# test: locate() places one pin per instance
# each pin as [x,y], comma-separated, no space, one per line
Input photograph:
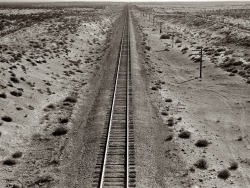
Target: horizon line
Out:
[133,1]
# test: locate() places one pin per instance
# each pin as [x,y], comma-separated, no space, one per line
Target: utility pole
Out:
[172,33]
[201,57]
[160,27]
[153,19]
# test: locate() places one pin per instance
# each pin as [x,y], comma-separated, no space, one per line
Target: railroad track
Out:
[115,164]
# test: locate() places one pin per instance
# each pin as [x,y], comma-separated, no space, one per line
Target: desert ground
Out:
[57,67]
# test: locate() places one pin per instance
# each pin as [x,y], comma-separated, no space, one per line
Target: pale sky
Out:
[123,0]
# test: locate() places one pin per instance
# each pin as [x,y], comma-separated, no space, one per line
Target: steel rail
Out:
[101,183]
[127,109]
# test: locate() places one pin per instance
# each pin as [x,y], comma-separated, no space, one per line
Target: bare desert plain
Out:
[108,94]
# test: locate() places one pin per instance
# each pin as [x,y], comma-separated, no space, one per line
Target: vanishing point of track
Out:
[115,163]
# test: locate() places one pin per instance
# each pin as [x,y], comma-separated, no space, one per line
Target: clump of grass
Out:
[3,95]
[16,186]
[7,119]
[168,100]
[164,113]
[9,162]
[169,138]
[240,138]
[184,134]
[17,154]
[224,174]
[228,52]
[178,41]
[14,80]
[192,169]
[221,49]
[63,120]
[170,122]
[165,36]
[19,108]
[16,93]
[60,131]
[179,118]
[148,48]
[185,49]
[201,164]
[233,166]
[44,179]
[202,143]
[154,88]
[70,99]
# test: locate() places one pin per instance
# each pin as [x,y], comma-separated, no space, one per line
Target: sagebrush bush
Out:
[233,166]
[202,143]
[184,134]
[3,95]
[169,137]
[164,113]
[224,174]
[60,131]
[148,48]
[70,99]
[165,36]
[178,41]
[14,79]
[154,88]
[201,164]
[63,120]
[168,100]
[17,154]
[9,162]
[7,119]
[170,122]
[16,93]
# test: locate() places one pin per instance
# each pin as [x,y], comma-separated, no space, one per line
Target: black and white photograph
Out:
[124,94]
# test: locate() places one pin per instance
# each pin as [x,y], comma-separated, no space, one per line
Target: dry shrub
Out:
[168,100]
[3,95]
[169,138]
[14,80]
[224,174]
[154,88]
[63,120]
[7,119]
[233,166]
[9,162]
[184,134]
[71,99]
[170,122]
[148,48]
[165,36]
[178,41]
[60,131]
[242,72]
[201,164]
[17,154]
[164,113]
[44,179]
[229,52]
[202,143]
[16,93]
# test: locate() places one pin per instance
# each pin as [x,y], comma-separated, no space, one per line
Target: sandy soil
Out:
[153,168]
[47,70]
[214,108]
